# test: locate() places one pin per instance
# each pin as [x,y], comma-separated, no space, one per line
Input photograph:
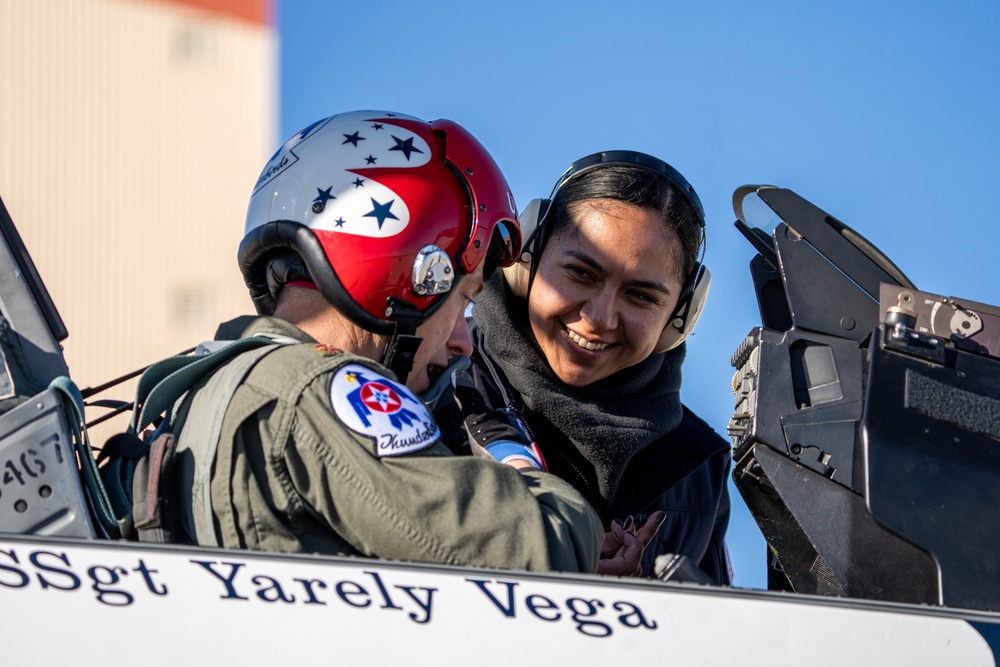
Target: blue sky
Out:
[882,113]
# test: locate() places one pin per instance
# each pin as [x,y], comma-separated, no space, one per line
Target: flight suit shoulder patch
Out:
[368,403]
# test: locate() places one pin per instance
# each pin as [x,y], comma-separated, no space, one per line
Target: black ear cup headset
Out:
[533,230]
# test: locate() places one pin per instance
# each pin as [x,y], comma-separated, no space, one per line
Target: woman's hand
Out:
[621,553]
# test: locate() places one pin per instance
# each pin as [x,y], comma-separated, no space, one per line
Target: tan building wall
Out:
[131,132]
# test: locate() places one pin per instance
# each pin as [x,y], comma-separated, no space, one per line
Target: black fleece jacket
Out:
[683,473]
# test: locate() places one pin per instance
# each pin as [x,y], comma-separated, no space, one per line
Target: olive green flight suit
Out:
[295,471]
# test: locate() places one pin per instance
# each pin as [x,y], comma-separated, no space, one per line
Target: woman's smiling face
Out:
[606,283]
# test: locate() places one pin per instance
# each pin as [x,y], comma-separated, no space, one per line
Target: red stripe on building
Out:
[255,11]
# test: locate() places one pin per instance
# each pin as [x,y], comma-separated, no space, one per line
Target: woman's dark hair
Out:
[640,187]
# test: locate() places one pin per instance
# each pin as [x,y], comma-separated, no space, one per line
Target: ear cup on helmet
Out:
[685,316]
[518,275]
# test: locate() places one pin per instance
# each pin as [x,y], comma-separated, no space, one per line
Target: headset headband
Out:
[632,158]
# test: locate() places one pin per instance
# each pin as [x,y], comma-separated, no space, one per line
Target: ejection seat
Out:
[40,439]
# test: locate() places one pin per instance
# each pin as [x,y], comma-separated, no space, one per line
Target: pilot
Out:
[367,236]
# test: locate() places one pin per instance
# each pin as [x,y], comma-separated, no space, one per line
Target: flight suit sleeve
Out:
[430,505]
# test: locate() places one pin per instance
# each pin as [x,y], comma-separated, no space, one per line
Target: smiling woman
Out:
[583,341]
[602,293]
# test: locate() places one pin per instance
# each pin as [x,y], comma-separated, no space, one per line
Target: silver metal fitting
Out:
[433,272]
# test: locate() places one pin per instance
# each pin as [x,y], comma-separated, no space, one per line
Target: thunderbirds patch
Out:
[372,405]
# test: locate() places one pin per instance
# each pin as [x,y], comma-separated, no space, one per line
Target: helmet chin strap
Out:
[401,348]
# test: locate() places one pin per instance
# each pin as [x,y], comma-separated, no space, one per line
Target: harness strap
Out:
[109,525]
[166,381]
[153,505]
[201,435]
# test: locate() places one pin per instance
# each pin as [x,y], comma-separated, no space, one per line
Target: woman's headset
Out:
[533,220]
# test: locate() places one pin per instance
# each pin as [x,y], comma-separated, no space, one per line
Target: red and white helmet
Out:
[385,210]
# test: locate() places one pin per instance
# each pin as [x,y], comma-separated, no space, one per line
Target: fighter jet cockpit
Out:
[866,430]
